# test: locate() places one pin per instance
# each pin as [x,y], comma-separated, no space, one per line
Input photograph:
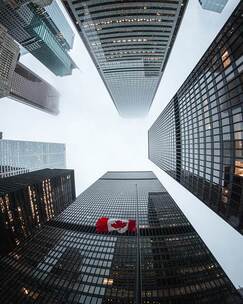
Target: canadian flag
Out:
[105,224]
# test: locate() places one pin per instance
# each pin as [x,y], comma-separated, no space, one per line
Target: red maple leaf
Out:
[119,224]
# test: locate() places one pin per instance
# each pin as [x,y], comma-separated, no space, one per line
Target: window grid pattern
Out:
[17,157]
[165,262]
[165,143]
[32,90]
[213,5]
[209,126]
[57,24]
[33,32]
[130,43]
[29,200]
[9,52]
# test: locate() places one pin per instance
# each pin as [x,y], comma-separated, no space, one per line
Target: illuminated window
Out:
[239,168]
[107,281]
[25,290]
[226,59]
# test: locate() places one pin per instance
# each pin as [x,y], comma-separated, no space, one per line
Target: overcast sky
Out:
[98,140]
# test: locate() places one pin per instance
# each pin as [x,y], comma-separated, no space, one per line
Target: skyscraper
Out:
[29,88]
[165,261]
[198,138]
[29,200]
[26,23]
[58,24]
[9,52]
[130,43]
[213,5]
[17,157]
[19,82]
[52,15]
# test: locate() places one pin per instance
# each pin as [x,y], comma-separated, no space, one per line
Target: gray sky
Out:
[98,140]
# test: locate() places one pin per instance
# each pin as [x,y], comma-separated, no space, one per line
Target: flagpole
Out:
[139,277]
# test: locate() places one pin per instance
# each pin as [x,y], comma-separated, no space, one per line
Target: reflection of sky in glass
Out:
[18,157]
[56,15]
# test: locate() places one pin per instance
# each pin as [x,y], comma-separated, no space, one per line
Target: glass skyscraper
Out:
[59,25]
[9,52]
[28,25]
[17,157]
[29,200]
[130,43]
[198,138]
[165,261]
[19,82]
[32,90]
[213,5]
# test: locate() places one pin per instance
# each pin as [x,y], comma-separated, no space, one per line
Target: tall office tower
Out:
[130,43]
[165,261]
[58,24]
[27,25]
[198,138]
[17,157]
[213,5]
[29,200]
[29,88]
[9,52]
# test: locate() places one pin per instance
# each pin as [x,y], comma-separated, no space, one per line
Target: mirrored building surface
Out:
[29,26]
[213,5]
[165,261]
[20,83]
[198,138]
[130,43]
[28,200]
[59,25]
[17,157]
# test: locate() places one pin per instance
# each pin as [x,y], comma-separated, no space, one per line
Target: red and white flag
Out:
[105,224]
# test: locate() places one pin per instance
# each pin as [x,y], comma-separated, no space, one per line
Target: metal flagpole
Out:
[139,277]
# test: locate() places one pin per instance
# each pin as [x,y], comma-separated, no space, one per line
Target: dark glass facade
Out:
[29,200]
[32,90]
[27,24]
[165,261]
[198,138]
[130,43]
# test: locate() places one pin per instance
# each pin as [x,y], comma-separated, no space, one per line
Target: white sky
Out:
[98,140]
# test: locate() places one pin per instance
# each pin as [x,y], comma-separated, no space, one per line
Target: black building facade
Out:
[198,138]
[164,261]
[29,200]
[130,43]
